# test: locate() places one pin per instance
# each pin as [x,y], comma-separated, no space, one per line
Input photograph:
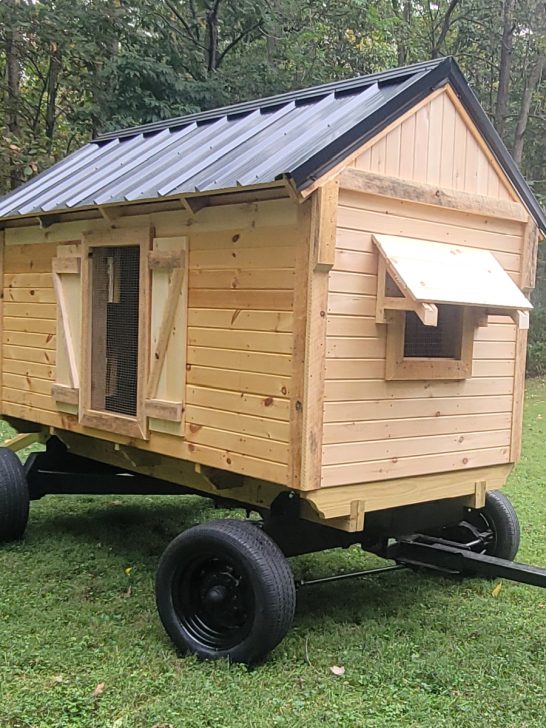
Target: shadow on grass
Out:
[140,531]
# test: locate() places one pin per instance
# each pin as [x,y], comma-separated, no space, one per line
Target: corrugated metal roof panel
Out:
[299,134]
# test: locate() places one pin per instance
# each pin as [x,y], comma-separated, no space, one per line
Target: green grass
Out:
[417,650]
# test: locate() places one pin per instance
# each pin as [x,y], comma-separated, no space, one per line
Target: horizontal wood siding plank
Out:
[23,338]
[240,360]
[264,384]
[381,409]
[248,258]
[351,432]
[267,342]
[29,399]
[379,389]
[28,369]
[232,298]
[30,310]
[235,442]
[276,408]
[27,384]
[30,295]
[29,325]
[237,422]
[28,280]
[236,278]
[355,452]
[234,319]
[28,354]
[333,475]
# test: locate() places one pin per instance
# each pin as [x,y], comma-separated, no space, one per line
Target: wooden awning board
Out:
[433,272]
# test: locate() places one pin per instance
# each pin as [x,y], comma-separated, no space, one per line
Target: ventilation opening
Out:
[115,275]
[443,341]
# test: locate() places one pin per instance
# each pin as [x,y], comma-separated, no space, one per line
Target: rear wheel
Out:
[225,589]
[14,497]
[493,530]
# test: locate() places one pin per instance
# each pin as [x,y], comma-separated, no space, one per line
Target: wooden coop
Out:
[319,297]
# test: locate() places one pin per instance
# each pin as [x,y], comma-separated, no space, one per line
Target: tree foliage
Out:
[71,69]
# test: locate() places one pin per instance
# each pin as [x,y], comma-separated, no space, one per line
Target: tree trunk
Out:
[212,36]
[13,84]
[52,87]
[501,106]
[530,87]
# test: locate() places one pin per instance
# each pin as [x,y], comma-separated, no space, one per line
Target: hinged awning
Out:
[429,273]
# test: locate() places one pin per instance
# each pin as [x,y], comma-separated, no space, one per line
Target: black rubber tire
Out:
[265,571]
[501,517]
[14,497]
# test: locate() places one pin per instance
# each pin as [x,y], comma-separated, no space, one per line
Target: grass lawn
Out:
[77,611]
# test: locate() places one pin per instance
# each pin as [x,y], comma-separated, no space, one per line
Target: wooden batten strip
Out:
[67,395]
[529,257]
[63,264]
[324,229]
[65,325]
[171,304]
[163,410]
[166,260]
[358,180]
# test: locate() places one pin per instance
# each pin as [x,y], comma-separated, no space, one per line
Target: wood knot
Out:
[268,401]
[235,238]
[284,390]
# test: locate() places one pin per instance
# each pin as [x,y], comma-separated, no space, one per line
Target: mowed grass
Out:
[77,611]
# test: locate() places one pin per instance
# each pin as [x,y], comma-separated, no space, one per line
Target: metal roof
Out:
[298,135]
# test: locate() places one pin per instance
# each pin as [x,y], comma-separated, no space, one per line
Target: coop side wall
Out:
[239,378]
[377,430]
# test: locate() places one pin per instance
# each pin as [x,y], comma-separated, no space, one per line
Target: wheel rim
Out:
[213,601]
[475,532]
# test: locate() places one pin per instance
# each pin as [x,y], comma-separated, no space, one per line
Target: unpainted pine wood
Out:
[333,475]
[34,326]
[241,340]
[413,446]
[21,338]
[237,299]
[332,503]
[30,310]
[245,361]
[29,354]
[28,280]
[236,422]
[370,430]
[440,273]
[437,143]
[418,200]
[29,369]
[423,407]
[29,295]
[235,218]
[519,394]
[237,320]
[27,384]
[265,408]
[364,220]
[241,279]
[529,255]
[29,399]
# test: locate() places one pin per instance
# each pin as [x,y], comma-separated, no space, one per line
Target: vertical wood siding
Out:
[435,145]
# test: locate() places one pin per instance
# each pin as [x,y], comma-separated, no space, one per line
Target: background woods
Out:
[72,68]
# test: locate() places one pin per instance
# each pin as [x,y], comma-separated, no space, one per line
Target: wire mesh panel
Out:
[115,276]
[442,341]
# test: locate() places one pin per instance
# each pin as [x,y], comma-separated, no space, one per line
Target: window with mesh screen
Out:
[115,275]
[443,341]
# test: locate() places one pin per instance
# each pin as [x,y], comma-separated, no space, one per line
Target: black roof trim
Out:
[440,74]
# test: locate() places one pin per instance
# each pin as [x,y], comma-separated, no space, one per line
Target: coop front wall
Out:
[239,372]
[377,430]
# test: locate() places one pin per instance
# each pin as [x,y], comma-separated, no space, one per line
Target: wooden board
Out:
[440,273]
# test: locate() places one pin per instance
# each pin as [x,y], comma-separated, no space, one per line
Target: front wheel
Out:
[225,589]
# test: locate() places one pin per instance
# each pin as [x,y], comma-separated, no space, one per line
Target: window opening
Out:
[115,298]
[443,341]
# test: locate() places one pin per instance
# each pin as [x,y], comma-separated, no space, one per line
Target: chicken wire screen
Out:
[115,275]
[442,341]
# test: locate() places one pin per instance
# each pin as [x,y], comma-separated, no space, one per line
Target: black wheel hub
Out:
[213,601]
[474,533]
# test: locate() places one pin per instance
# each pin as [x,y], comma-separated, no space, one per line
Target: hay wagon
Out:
[313,306]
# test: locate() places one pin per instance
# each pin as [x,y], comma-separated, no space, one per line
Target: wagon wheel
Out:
[493,530]
[225,589]
[14,497]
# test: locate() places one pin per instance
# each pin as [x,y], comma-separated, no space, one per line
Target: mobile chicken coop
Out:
[313,306]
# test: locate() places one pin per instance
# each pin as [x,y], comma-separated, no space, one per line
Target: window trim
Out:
[399,367]
[114,422]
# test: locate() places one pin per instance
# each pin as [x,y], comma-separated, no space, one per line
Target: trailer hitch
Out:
[450,558]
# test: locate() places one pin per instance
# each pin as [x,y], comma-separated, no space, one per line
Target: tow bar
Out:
[447,557]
